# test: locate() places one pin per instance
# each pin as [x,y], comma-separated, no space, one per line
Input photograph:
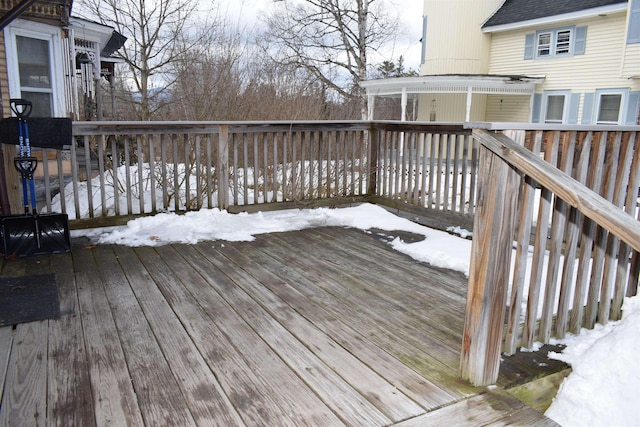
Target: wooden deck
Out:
[320,327]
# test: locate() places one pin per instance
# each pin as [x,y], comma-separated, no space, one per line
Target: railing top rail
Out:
[213,127]
[591,204]
[497,126]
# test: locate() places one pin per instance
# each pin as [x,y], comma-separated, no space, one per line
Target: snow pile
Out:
[438,248]
[602,389]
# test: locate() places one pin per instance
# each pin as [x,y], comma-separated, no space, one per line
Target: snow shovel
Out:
[31,234]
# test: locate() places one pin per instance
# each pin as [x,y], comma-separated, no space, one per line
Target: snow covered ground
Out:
[602,390]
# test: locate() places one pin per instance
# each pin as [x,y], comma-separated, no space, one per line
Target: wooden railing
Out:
[575,264]
[129,168]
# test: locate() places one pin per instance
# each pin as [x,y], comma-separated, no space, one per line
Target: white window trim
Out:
[40,31]
[623,104]
[565,109]
[554,43]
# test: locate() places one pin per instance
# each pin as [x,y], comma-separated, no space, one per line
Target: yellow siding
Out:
[502,108]
[451,107]
[599,67]
[631,66]
[455,42]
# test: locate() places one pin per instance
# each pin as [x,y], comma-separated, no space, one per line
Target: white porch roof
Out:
[468,84]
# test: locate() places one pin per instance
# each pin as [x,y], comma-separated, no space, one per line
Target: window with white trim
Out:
[556,42]
[609,108]
[34,69]
[34,66]
[554,107]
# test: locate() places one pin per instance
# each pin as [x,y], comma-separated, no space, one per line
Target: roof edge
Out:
[587,13]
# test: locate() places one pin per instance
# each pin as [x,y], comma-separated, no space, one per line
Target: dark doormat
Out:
[28,298]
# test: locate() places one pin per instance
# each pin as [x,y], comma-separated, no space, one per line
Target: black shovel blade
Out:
[54,233]
[28,235]
[19,234]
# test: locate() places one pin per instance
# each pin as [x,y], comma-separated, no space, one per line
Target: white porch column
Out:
[404,104]
[469,96]
[371,106]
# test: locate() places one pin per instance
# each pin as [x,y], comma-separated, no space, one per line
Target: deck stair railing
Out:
[576,193]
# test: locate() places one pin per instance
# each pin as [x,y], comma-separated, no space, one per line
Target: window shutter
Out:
[587,108]
[537,106]
[581,41]
[574,105]
[633,31]
[632,108]
[529,45]
[424,40]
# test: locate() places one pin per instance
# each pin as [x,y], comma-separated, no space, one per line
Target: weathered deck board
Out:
[300,332]
[486,409]
[204,395]
[334,391]
[69,382]
[317,327]
[114,397]
[278,384]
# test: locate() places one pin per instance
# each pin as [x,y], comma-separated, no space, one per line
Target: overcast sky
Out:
[246,12]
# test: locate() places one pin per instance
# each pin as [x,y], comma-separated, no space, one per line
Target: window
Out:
[554,109]
[559,42]
[554,106]
[544,44]
[563,42]
[609,107]
[552,43]
[34,66]
[34,69]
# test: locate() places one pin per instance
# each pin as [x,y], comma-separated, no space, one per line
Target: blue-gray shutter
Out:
[537,106]
[633,32]
[574,105]
[581,41]
[587,108]
[424,40]
[529,42]
[632,109]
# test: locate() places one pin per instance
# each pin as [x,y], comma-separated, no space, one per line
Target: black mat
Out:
[28,298]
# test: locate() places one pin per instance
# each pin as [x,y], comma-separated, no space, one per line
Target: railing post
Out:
[372,185]
[222,168]
[493,232]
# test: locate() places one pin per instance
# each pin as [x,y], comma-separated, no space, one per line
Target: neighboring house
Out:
[56,62]
[541,61]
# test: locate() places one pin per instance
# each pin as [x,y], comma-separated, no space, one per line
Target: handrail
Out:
[571,215]
[591,204]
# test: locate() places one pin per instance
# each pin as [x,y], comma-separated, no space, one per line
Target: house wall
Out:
[451,108]
[600,67]
[5,109]
[512,108]
[631,61]
[455,42]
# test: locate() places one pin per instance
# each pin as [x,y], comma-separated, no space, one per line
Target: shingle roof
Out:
[513,11]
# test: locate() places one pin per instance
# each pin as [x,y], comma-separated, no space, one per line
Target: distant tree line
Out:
[184,64]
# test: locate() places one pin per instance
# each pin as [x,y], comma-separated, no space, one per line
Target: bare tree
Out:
[332,39]
[159,33]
